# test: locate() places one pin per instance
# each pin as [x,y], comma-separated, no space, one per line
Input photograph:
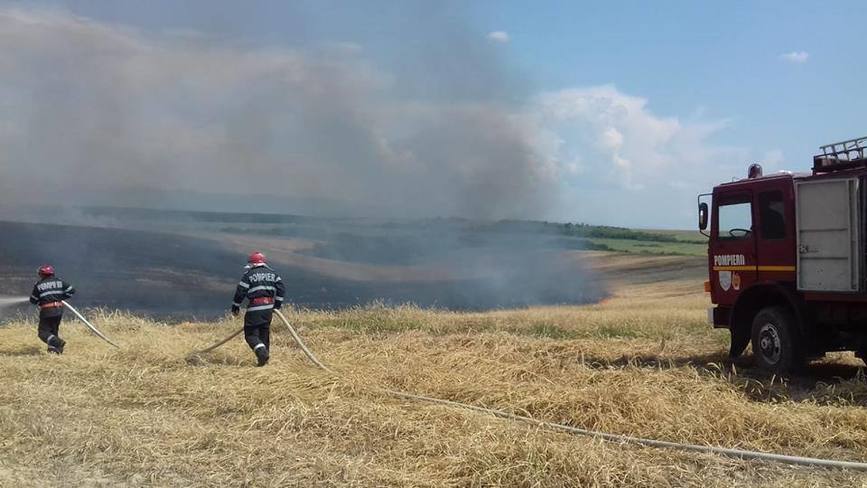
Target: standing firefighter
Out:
[47,295]
[263,287]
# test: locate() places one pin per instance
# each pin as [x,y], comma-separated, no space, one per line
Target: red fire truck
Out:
[787,259]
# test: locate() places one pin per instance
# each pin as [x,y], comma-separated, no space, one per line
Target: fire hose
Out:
[211,348]
[622,439]
[88,324]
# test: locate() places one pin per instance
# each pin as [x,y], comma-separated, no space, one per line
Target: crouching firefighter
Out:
[48,294]
[264,290]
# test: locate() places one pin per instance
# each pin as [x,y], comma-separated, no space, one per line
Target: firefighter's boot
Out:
[261,355]
[55,345]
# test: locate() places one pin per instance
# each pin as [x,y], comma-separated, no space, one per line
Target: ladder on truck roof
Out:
[841,155]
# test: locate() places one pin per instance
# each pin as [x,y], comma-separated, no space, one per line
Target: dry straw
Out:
[642,364]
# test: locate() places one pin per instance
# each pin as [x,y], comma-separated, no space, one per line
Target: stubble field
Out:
[642,363]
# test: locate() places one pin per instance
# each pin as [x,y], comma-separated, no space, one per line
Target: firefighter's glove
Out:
[236,310]
[277,305]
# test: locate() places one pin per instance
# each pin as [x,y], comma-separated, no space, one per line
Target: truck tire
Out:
[776,340]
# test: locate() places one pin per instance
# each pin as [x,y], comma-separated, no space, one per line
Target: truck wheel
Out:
[775,340]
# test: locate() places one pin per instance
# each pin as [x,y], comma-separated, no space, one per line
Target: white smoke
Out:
[98,113]
[93,109]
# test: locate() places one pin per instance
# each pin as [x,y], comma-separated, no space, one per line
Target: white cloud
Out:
[797,57]
[623,164]
[499,36]
[616,128]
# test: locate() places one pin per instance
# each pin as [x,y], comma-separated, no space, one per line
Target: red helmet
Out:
[256,258]
[46,270]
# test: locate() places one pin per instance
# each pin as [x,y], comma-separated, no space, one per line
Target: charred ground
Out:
[183,264]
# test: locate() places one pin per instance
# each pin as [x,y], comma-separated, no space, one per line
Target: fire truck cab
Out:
[786,259]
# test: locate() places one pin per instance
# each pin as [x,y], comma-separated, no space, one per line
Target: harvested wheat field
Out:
[641,363]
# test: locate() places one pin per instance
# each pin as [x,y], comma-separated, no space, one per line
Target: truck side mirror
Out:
[702,216]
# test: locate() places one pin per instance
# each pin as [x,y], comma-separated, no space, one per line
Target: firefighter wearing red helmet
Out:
[263,288]
[47,294]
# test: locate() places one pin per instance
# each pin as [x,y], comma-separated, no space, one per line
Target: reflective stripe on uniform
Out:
[244,285]
[261,307]
[260,288]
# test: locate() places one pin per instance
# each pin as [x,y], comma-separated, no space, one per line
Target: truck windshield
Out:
[735,221]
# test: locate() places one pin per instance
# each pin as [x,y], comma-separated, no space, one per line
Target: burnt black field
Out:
[148,266]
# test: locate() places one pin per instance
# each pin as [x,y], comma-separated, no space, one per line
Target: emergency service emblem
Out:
[725,280]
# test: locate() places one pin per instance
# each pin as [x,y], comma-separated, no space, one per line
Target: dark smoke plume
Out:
[93,112]
[99,114]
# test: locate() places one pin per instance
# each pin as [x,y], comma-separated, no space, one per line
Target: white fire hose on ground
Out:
[300,343]
[88,324]
[211,348]
[623,439]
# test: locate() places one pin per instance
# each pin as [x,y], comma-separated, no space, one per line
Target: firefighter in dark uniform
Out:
[47,295]
[264,290]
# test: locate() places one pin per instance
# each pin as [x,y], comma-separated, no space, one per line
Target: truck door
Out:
[829,256]
[775,229]
[733,246]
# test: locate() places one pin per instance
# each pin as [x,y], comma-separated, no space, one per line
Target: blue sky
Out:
[720,58]
[640,103]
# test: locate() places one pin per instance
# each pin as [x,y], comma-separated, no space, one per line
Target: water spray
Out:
[12,301]
[88,324]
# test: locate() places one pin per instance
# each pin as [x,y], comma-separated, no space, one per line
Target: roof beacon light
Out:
[755,171]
